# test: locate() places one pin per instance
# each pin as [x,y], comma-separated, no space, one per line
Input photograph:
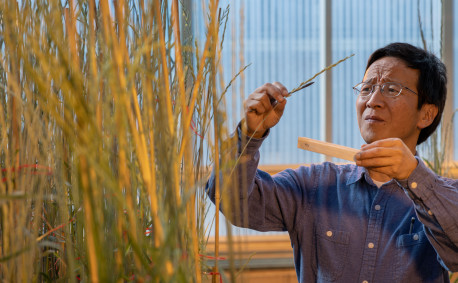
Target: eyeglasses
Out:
[388,89]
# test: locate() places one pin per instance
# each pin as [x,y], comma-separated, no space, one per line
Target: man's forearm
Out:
[238,183]
[436,203]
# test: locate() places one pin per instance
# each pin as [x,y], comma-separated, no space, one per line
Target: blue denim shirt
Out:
[345,229]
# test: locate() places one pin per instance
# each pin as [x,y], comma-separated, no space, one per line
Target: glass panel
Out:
[281,41]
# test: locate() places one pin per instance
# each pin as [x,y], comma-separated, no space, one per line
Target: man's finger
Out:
[386,170]
[274,92]
[253,105]
[283,90]
[377,152]
[280,107]
[375,162]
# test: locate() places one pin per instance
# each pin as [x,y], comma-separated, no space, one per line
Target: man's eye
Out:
[366,88]
[393,89]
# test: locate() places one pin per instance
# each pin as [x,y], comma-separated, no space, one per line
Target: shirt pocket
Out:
[331,253]
[416,259]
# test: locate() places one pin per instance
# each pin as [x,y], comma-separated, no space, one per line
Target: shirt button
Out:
[377,207]
[371,245]
[415,237]
[329,233]
[414,185]
[430,212]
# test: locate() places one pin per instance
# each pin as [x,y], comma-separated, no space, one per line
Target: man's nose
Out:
[376,98]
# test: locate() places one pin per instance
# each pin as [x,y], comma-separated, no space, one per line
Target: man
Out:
[386,219]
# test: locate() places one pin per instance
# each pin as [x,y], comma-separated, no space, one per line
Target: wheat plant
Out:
[108,123]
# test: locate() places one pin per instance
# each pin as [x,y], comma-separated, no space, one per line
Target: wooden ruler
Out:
[327,148]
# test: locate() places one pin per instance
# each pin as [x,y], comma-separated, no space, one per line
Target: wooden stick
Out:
[327,148]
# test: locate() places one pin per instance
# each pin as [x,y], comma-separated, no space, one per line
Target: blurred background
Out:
[289,41]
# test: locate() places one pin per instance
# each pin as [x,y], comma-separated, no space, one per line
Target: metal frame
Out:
[326,85]
[448,58]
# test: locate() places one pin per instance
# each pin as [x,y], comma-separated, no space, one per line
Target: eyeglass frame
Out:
[382,91]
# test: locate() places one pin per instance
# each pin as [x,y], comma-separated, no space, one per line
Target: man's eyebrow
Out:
[384,79]
[368,80]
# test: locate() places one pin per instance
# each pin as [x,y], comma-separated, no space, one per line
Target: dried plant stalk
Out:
[301,85]
[102,97]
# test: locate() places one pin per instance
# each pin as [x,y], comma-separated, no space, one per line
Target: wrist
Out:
[247,132]
[408,170]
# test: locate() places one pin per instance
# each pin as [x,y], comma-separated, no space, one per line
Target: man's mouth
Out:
[373,118]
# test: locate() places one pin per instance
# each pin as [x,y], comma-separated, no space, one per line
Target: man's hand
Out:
[390,157]
[263,109]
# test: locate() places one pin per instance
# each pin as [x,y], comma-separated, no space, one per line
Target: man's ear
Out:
[428,113]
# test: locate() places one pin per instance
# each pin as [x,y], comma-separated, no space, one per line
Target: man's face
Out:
[382,117]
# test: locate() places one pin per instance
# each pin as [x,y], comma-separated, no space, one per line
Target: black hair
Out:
[432,81]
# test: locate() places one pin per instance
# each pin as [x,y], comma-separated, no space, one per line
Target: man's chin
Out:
[372,137]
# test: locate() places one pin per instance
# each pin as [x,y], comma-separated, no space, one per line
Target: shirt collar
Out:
[356,175]
[359,173]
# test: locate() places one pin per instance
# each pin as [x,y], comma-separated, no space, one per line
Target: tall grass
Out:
[436,147]
[108,123]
